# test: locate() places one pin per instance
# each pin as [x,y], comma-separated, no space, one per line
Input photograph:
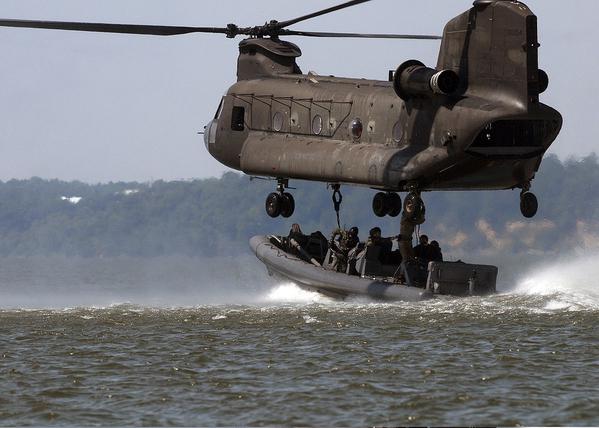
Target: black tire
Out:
[380,204]
[288,205]
[274,205]
[529,205]
[394,201]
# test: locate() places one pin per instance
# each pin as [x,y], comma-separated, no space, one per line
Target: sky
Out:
[100,108]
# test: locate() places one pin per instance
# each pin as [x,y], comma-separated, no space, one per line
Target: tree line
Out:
[215,217]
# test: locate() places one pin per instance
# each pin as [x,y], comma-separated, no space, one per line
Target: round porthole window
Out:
[317,125]
[397,133]
[356,128]
[277,121]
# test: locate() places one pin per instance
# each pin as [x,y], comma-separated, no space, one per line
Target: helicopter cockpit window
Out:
[238,119]
[219,110]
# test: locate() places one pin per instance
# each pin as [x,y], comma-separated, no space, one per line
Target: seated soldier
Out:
[354,252]
[296,234]
[352,238]
[386,245]
[434,252]
[421,250]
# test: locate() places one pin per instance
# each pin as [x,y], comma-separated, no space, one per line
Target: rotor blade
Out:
[155,30]
[360,35]
[320,13]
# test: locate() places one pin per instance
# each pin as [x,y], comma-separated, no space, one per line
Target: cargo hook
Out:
[337,200]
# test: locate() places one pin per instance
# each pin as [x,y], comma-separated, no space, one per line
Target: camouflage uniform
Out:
[341,248]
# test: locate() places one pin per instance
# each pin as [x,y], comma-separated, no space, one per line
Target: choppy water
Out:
[165,353]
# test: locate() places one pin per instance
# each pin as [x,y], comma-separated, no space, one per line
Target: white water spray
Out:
[291,293]
[573,281]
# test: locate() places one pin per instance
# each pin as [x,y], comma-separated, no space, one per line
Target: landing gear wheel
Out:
[414,207]
[385,204]
[380,204]
[394,201]
[288,205]
[274,205]
[529,204]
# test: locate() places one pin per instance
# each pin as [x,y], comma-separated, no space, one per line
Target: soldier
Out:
[296,241]
[387,256]
[421,250]
[348,240]
[434,252]
[342,243]
[375,238]
[296,234]
[352,238]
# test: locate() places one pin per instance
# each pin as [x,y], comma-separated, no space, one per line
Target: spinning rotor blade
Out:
[272,29]
[154,30]
[359,35]
[320,13]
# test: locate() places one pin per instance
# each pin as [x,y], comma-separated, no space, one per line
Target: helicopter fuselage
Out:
[491,134]
[303,127]
[473,122]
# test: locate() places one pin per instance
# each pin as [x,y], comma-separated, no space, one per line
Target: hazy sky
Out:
[98,107]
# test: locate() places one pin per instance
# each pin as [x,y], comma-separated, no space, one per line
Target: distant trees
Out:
[217,216]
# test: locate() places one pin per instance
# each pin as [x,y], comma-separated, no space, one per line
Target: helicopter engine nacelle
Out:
[414,80]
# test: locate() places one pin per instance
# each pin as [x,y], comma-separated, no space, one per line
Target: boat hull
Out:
[331,283]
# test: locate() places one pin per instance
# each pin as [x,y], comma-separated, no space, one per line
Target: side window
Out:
[238,119]
[219,110]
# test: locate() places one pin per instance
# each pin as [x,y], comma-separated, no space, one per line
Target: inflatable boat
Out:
[312,266]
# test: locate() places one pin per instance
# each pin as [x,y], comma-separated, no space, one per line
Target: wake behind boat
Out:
[312,266]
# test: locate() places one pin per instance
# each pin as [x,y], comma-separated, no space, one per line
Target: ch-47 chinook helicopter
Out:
[473,122]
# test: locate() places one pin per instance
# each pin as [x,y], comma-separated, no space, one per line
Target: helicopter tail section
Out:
[495,45]
[494,49]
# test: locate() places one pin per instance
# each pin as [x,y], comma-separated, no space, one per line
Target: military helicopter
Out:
[472,122]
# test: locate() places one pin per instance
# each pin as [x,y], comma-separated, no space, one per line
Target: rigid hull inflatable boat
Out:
[310,267]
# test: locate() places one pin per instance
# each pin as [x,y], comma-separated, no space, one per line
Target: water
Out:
[190,342]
